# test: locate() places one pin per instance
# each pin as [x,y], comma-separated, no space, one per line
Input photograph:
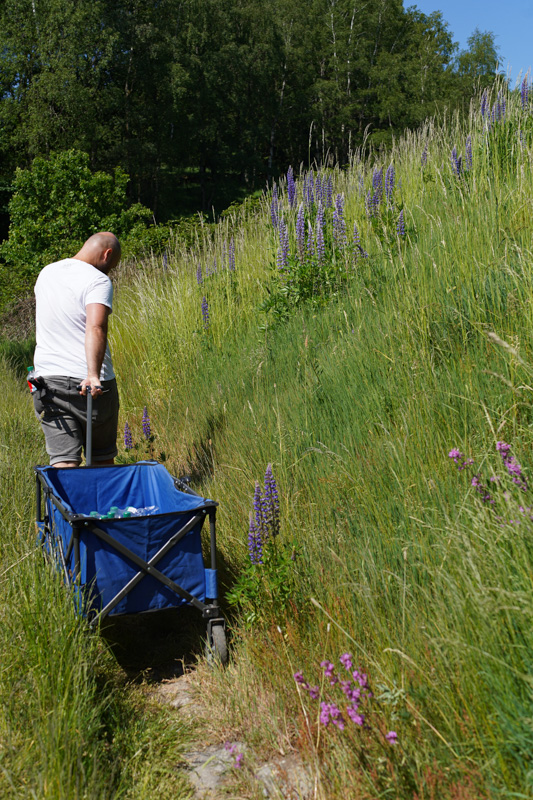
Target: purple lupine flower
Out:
[128,441]
[299,677]
[314,692]
[165,261]
[468,153]
[300,233]
[274,207]
[318,188]
[424,156]
[283,249]
[391,736]
[291,186]
[484,103]
[310,241]
[400,225]
[271,503]
[199,274]
[255,544]
[205,312]
[146,424]
[389,183]
[258,512]
[357,249]
[309,194]
[369,206]
[339,225]
[377,180]
[361,184]
[231,255]
[456,162]
[524,92]
[503,105]
[329,192]
[319,230]
[377,186]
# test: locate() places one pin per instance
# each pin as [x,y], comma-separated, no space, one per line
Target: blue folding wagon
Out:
[130,564]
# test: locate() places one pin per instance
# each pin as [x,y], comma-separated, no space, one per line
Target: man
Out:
[74,299]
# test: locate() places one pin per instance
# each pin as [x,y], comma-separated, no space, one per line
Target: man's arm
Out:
[95,345]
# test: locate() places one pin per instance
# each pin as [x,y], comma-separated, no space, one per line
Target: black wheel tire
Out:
[218,645]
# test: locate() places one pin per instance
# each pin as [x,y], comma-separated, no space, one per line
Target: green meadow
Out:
[353,374]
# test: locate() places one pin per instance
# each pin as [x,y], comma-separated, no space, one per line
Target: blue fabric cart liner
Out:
[104,571]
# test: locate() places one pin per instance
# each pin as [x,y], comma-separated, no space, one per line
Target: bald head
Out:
[102,250]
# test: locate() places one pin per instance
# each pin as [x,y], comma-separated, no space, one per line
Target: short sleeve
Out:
[100,291]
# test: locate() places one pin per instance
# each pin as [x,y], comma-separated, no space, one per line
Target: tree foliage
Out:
[55,206]
[173,88]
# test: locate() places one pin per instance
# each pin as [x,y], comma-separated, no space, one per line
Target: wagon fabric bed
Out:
[130,565]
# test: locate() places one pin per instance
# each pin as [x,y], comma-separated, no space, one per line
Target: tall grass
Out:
[70,727]
[356,402]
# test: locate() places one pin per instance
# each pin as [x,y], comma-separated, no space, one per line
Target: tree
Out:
[477,66]
[56,205]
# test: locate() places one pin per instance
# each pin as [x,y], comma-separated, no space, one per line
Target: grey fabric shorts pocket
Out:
[62,412]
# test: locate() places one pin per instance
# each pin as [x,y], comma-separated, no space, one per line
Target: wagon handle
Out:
[89,442]
[89,439]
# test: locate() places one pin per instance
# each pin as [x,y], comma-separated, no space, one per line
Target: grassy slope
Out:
[356,405]
[70,727]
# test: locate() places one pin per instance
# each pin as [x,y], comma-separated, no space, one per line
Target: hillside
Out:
[352,330]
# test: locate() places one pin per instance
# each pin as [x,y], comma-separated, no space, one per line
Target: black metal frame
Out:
[210,611]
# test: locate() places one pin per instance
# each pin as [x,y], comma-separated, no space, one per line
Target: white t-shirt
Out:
[62,291]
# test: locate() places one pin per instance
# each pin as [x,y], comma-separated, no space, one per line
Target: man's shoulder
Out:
[72,269]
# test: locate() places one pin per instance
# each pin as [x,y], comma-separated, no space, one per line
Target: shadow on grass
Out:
[156,645]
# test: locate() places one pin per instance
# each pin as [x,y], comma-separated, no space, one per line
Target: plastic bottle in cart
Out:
[124,513]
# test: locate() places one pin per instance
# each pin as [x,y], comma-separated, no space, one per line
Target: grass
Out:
[356,401]
[72,725]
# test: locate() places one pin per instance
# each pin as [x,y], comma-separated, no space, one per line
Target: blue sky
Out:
[511,21]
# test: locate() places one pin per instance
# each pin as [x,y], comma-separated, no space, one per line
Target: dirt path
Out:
[214,768]
[160,652]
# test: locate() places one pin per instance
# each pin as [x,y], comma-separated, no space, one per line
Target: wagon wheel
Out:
[217,648]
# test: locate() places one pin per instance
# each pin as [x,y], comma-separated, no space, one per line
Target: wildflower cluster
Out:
[514,470]
[313,249]
[147,431]
[148,436]
[266,586]
[351,699]
[459,164]
[496,114]
[128,439]
[264,519]
[525,92]
[205,312]
[233,751]
[512,466]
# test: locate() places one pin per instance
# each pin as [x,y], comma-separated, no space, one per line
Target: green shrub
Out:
[56,205]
